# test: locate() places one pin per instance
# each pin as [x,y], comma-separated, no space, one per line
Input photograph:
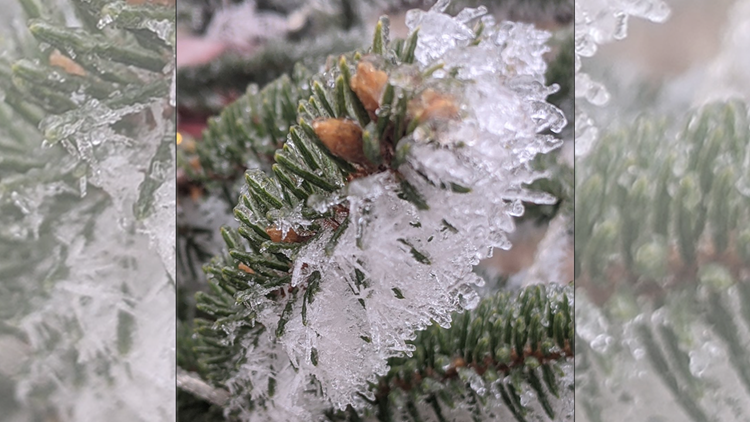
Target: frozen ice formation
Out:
[97,341]
[598,22]
[399,265]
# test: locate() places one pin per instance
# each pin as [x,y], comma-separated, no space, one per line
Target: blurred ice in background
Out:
[87,297]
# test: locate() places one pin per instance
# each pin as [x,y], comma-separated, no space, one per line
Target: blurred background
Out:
[671,66]
[660,296]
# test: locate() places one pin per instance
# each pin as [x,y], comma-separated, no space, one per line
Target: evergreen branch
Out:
[317,157]
[482,343]
[247,133]
[485,343]
[702,231]
[360,123]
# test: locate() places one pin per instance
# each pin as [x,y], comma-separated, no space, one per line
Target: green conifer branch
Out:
[687,219]
[304,166]
[247,132]
[522,336]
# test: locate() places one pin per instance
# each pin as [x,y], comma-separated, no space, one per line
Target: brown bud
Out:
[277,235]
[458,362]
[368,83]
[58,59]
[342,137]
[433,105]
[245,268]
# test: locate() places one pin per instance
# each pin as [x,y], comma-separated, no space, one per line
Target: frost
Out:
[163,28]
[173,88]
[267,365]
[116,329]
[160,226]
[112,160]
[405,257]
[439,33]
[599,22]
[104,21]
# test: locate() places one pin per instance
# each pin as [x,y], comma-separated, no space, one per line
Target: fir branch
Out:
[359,123]
[483,343]
[479,342]
[247,133]
[696,217]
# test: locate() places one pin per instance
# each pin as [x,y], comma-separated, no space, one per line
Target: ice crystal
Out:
[599,22]
[271,377]
[399,265]
[109,334]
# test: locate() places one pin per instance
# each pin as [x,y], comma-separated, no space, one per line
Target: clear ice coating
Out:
[412,266]
[599,22]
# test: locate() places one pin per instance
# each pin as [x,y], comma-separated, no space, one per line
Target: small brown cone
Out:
[433,105]
[245,268]
[368,83]
[60,60]
[277,235]
[343,137]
